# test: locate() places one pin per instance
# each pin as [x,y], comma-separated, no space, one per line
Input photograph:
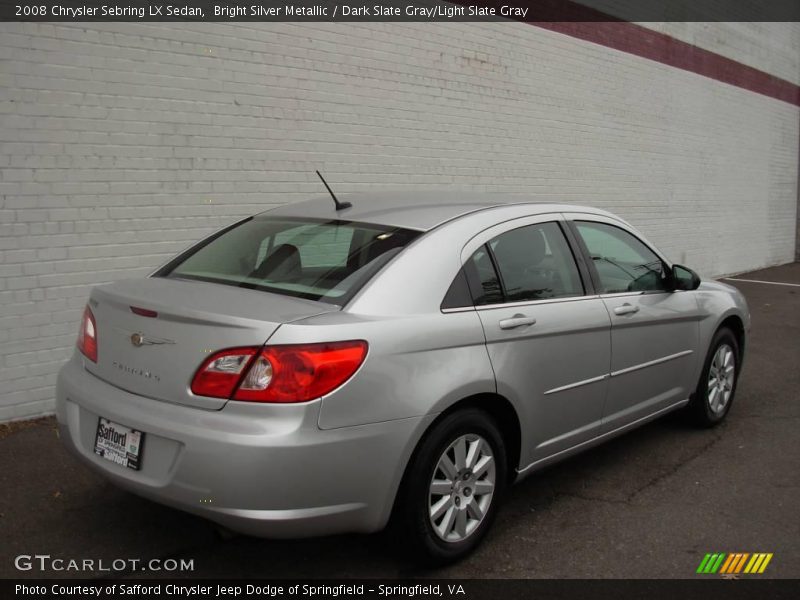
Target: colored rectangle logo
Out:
[734,563]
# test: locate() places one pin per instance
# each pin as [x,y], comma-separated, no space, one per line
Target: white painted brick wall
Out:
[120,143]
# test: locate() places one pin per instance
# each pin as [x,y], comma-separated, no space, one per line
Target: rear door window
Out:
[534,262]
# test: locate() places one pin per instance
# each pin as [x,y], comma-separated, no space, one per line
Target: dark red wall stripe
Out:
[640,41]
[583,22]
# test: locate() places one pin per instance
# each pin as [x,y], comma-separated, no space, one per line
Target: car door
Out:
[547,334]
[654,330]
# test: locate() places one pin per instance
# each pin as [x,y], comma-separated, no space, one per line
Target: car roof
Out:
[420,210]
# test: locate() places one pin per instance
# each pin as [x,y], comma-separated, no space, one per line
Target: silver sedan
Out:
[331,367]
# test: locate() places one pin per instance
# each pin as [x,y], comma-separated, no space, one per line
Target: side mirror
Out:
[684,278]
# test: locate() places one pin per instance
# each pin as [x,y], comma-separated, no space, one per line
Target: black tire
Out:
[700,409]
[412,520]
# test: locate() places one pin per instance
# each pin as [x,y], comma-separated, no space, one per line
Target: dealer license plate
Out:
[119,444]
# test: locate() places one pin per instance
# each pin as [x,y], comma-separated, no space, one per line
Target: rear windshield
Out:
[315,259]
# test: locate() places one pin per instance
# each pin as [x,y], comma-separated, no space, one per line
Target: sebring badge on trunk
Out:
[136,371]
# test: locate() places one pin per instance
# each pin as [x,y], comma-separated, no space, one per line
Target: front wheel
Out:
[452,487]
[717,386]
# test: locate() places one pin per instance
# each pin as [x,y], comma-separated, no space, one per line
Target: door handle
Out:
[516,321]
[626,309]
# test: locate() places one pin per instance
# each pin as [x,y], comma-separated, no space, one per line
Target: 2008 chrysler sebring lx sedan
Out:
[322,368]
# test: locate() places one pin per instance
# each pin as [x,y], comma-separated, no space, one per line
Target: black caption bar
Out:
[421,589]
[400,10]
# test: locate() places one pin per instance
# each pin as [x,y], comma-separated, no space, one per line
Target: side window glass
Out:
[535,263]
[458,296]
[483,281]
[623,262]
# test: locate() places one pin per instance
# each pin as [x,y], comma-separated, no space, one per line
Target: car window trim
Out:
[587,257]
[588,283]
[523,303]
[496,267]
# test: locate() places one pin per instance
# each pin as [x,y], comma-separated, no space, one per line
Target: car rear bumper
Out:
[260,469]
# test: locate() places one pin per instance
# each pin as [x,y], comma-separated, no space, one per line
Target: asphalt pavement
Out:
[649,504]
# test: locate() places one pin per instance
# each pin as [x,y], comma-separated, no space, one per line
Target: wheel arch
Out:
[506,418]
[504,414]
[697,410]
[735,323]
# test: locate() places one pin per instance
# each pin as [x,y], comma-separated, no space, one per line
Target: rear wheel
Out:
[452,487]
[717,386]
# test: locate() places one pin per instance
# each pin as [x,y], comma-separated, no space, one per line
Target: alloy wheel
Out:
[462,488]
[721,377]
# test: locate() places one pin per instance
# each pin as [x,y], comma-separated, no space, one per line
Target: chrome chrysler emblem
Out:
[138,340]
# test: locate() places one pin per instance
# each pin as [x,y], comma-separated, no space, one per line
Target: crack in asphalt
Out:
[590,498]
[680,464]
[669,472]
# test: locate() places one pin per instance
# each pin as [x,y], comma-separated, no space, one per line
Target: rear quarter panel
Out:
[416,365]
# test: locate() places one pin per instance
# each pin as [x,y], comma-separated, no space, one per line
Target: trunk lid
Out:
[158,356]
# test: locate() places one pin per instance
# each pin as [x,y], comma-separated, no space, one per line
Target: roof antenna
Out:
[339,205]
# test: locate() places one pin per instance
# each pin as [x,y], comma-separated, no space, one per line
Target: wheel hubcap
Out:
[461,488]
[721,376]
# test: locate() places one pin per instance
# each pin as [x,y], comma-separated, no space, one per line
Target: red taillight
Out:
[218,375]
[292,373]
[87,336]
[302,372]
